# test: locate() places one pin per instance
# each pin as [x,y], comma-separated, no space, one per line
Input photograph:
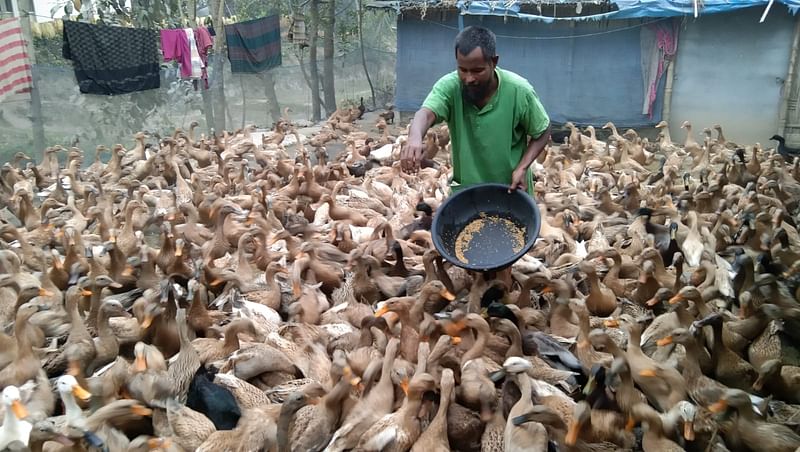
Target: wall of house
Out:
[730,71]
[584,72]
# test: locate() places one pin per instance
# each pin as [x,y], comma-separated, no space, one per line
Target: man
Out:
[490,112]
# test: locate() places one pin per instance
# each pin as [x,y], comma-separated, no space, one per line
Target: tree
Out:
[312,56]
[328,82]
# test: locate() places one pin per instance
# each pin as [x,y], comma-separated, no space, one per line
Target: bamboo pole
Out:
[36,102]
[667,107]
[788,83]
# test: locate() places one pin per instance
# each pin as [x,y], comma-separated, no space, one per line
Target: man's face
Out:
[476,74]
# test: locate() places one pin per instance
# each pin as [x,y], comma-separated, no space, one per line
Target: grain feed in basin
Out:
[488,238]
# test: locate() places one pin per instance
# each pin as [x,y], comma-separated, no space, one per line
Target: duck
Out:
[434,438]
[531,434]
[754,432]
[400,430]
[15,431]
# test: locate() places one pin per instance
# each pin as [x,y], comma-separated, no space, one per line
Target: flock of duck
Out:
[214,294]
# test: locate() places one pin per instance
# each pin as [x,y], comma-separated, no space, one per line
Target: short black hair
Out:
[472,37]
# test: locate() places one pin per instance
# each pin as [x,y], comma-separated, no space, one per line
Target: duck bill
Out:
[217,281]
[447,295]
[178,252]
[86,293]
[676,299]
[572,433]
[148,320]
[758,385]
[383,310]
[81,393]
[127,271]
[140,364]
[611,323]
[455,340]
[630,424]
[547,289]
[19,409]
[664,341]
[140,410]
[404,385]
[647,373]
[44,292]
[719,407]
[688,431]
[158,443]
[296,289]
[452,329]
[652,302]
[643,277]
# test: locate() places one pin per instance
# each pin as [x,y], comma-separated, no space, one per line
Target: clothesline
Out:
[546,38]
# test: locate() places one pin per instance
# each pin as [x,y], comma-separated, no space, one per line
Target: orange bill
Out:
[81,393]
[688,431]
[19,409]
[572,433]
[664,341]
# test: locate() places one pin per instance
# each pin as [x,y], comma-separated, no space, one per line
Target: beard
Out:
[477,92]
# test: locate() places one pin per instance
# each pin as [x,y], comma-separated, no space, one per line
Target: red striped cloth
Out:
[15,68]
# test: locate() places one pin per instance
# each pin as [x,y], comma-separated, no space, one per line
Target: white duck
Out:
[14,430]
[68,387]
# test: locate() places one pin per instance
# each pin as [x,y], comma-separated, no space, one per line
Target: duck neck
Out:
[525,388]
[515,349]
[231,343]
[285,419]
[12,427]
[477,349]
[691,366]
[103,328]
[333,400]
[94,306]
[444,404]
[73,412]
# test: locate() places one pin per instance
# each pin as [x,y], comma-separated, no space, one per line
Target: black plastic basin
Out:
[496,244]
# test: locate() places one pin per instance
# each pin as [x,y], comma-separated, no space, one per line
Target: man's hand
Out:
[519,180]
[412,152]
[411,156]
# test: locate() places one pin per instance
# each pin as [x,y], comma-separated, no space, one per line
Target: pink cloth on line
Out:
[666,46]
[204,42]
[175,46]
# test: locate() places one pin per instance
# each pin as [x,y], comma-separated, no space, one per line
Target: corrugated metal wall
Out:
[730,71]
[585,72]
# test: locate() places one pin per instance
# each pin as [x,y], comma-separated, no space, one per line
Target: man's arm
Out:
[411,155]
[535,147]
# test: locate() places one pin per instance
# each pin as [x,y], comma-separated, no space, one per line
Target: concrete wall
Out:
[729,71]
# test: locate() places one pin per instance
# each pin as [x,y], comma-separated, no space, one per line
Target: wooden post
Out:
[36,102]
[786,92]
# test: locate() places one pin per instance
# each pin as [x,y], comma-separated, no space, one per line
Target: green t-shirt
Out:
[488,143]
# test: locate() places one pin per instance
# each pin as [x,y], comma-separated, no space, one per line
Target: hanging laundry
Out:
[659,43]
[297,32]
[255,45]
[175,46]
[204,42]
[194,55]
[190,49]
[15,67]
[112,60]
